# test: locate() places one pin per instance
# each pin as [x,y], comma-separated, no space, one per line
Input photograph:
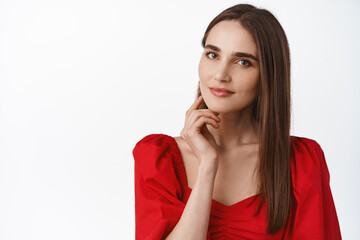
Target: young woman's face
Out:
[227,63]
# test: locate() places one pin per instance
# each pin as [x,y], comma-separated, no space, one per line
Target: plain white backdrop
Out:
[82,81]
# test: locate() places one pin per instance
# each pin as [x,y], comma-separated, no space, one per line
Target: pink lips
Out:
[221,92]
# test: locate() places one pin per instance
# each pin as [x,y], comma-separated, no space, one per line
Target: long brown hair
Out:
[271,109]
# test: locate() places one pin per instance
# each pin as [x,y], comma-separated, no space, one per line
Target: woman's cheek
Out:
[248,78]
[205,69]
[202,68]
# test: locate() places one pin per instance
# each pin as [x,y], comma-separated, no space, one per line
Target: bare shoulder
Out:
[189,160]
[178,139]
[183,146]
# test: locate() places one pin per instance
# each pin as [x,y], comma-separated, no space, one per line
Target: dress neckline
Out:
[181,168]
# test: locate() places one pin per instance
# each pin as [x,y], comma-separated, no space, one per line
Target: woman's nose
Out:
[222,73]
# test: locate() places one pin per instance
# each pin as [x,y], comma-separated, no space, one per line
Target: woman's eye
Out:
[211,54]
[244,62]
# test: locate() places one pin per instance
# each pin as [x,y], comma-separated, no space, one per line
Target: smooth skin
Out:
[219,145]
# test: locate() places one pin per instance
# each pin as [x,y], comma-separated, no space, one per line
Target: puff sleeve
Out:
[158,207]
[313,215]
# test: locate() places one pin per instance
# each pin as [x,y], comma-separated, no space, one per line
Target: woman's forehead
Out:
[230,36]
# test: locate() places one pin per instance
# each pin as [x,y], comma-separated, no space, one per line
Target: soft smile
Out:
[221,92]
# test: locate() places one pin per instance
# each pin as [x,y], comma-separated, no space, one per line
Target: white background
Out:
[82,81]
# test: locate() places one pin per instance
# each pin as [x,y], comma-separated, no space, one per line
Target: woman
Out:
[235,172]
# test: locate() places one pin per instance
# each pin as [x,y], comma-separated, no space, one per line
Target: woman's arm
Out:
[194,221]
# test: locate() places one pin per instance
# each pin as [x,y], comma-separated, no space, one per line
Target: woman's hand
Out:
[197,135]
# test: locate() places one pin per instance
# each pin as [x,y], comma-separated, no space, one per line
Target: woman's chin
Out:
[218,109]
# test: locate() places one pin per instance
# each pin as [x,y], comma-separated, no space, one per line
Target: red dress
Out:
[161,193]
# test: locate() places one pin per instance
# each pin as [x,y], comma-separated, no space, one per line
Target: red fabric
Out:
[161,193]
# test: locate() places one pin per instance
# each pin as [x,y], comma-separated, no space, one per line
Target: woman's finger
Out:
[204,120]
[208,110]
[195,115]
[216,114]
[195,105]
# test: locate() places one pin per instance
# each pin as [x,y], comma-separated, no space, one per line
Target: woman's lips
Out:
[221,92]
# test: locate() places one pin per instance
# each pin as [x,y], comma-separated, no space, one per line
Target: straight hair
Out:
[271,108]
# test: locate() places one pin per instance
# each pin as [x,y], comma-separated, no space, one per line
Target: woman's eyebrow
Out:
[236,54]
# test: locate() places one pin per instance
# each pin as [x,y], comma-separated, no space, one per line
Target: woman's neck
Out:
[235,128]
